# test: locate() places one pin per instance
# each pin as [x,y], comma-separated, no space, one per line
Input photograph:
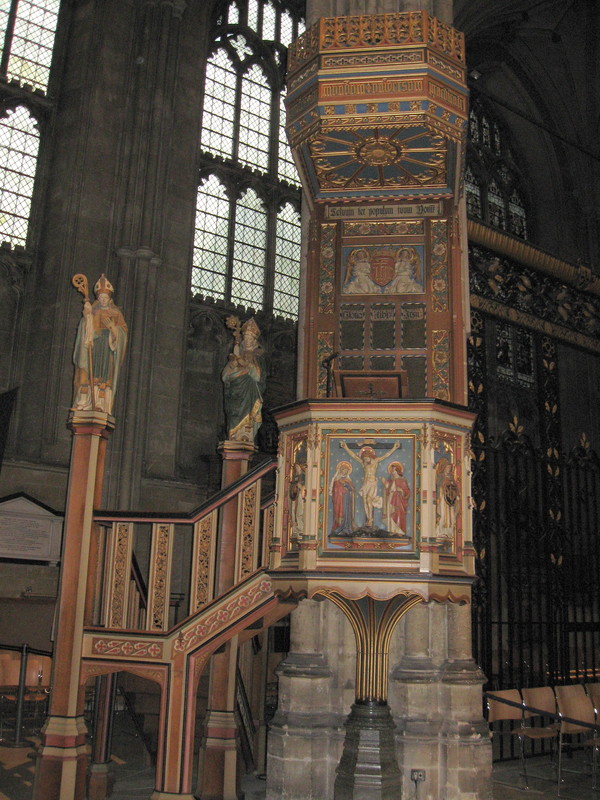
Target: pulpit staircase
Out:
[143,560]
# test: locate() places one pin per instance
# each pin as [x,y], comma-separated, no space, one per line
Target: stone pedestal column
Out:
[218,778]
[468,747]
[368,769]
[62,761]
[305,735]
[414,696]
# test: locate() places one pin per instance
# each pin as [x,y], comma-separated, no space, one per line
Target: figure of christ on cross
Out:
[368,491]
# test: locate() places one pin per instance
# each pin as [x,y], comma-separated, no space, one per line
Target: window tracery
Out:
[247,241]
[492,181]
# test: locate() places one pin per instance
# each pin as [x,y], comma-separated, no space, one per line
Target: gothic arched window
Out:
[492,181]
[247,241]
[27,31]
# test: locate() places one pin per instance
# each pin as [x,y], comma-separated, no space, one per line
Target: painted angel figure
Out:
[405,272]
[99,348]
[361,281]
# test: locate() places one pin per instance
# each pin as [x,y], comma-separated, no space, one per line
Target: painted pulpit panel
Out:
[389,269]
[371,493]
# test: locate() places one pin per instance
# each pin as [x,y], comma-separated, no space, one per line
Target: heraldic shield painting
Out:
[370,492]
[373,269]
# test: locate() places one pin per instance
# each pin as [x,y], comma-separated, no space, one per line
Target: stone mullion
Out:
[64,196]
[138,271]
[152,117]
[269,277]
[146,157]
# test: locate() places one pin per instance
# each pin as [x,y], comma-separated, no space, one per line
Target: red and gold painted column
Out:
[218,767]
[62,760]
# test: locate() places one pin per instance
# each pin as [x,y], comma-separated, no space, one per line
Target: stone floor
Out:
[134,775]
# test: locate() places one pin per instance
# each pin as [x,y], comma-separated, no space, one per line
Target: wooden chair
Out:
[498,710]
[573,702]
[593,691]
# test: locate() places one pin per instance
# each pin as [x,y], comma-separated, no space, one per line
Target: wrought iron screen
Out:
[536,605]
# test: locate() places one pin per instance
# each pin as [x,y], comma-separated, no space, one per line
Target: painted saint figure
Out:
[244,377]
[341,490]
[368,491]
[447,500]
[297,495]
[396,494]
[99,348]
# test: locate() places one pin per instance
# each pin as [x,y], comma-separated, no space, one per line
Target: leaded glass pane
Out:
[19,142]
[496,206]
[250,240]
[286,167]
[269,19]
[210,240]
[32,42]
[253,15]
[517,219]
[241,47]
[485,133]
[4,8]
[255,115]
[219,105]
[287,262]
[473,194]
[287,29]
[473,127]
[496,141]
[504,173]
[233,15]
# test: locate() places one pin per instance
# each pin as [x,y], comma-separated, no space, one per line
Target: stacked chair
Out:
[578,711]
[540,702]
[575,704]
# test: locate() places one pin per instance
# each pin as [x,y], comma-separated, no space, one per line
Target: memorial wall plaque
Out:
[28,531]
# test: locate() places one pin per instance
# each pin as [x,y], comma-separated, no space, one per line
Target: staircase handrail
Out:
[202,629]
[189,517]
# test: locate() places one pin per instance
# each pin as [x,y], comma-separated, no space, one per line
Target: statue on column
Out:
[244,377]
[99,347]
